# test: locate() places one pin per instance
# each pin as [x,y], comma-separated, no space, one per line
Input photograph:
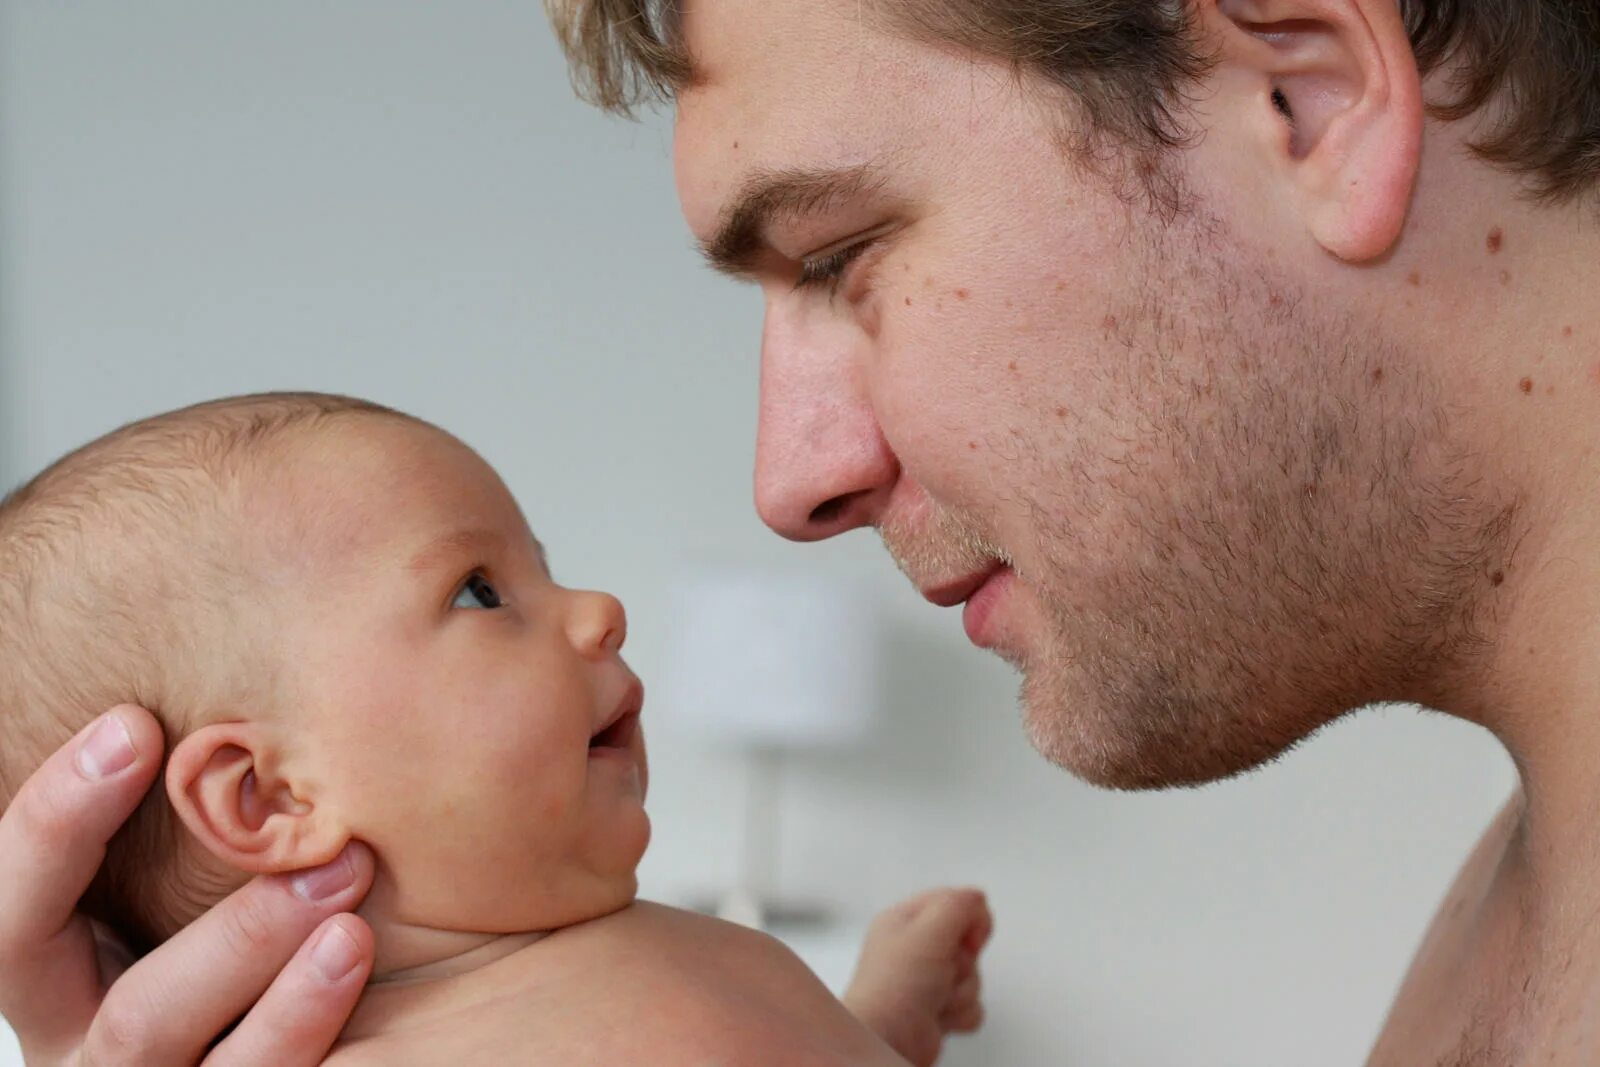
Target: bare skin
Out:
[286,953]
[540,947]
[1325,437]
[1025,371]
[647,984]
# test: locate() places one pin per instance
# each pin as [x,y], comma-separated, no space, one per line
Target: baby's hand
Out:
[918,976]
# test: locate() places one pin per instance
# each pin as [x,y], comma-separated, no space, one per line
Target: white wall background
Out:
[402,200]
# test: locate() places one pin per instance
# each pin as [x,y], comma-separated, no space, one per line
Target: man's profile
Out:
[1237,364]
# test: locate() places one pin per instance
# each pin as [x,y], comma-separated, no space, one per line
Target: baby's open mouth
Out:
[618,735]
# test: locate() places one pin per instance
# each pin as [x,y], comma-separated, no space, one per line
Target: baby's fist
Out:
[918,976]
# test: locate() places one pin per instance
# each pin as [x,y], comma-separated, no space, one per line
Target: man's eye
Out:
[476,592]
[827,271]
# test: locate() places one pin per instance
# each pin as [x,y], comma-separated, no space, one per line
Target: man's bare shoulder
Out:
[1485,988]
[647,985]
[1433,1019]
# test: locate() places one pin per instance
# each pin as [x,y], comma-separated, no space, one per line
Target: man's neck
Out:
[1532,938]
[1512,322]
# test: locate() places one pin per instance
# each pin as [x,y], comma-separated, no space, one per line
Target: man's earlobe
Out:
[1340,88]
[224,783]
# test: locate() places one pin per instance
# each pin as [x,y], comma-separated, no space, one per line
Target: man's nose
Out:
[597,625]
[822,464]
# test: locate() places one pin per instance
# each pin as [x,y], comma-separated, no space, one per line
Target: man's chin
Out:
[1131,748]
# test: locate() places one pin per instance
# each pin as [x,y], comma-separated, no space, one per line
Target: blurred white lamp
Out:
[766,664]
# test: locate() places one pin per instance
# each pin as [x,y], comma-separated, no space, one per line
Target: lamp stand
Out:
[754,900]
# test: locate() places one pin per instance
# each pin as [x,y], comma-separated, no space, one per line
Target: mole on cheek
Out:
[1414,278]
[1498,577]
[1496,241]
[962,294]
[1526,385]
[908,301]
[1061,413]
[1013,366]
[1566,331]
[972,445]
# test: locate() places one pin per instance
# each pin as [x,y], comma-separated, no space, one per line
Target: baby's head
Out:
[347,630]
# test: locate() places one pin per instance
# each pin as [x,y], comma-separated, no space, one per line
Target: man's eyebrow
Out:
[452,546]
[769,196]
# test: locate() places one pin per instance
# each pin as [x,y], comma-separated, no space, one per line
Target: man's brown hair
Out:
[1128,63]
[122,579]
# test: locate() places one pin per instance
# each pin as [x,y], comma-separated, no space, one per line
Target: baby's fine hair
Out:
[123,579]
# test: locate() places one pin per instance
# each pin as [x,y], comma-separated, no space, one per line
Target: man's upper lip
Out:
[949,594]
[632,703]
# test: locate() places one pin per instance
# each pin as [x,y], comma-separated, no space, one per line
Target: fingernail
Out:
[320,883]
[335,953]
[107,750]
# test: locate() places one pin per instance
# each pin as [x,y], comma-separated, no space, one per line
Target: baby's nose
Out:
[597,625]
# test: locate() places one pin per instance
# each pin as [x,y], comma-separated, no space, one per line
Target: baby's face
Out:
[464,714]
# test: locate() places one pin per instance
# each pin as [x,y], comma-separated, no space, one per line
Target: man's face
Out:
[1172,479]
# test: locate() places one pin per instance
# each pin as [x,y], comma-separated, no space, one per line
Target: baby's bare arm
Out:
[918,977]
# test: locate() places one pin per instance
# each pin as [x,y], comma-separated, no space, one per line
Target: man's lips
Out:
[949,594]
[977,618]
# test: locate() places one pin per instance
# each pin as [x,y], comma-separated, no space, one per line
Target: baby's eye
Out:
[476,592]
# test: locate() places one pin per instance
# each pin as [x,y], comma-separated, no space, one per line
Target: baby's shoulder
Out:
[648,985]
[650,945]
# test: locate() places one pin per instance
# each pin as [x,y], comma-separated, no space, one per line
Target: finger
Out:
[982,928]
[964,1011]
[173,1003]
[962,1019]
[300,1016]
[951,914]
[52,841]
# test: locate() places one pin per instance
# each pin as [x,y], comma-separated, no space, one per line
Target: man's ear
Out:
[1340,103]
[224,782]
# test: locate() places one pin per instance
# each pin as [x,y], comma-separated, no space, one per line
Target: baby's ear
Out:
[224,783]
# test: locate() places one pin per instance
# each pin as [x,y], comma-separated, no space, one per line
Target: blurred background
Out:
[403,200]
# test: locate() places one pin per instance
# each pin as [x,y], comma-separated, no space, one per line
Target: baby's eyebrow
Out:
[452,546]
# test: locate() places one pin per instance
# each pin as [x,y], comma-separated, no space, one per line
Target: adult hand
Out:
[284,944]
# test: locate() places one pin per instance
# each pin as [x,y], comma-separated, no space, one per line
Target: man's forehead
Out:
[725,37]
[780,86]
